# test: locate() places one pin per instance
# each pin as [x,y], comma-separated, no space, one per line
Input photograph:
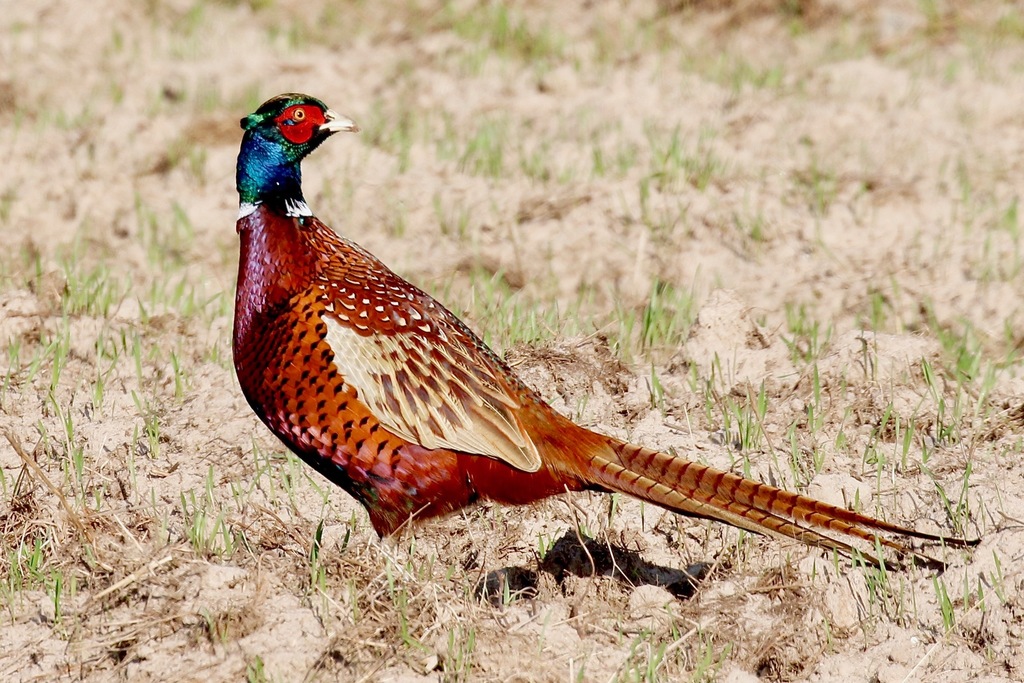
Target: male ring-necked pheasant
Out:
[390,396]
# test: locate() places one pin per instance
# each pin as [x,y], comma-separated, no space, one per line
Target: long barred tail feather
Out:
[697,490]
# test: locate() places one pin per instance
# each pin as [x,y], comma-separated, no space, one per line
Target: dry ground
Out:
[778,237]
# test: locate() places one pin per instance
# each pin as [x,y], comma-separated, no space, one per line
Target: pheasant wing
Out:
[425,376]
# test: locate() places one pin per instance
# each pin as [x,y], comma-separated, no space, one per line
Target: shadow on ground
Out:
[585,557]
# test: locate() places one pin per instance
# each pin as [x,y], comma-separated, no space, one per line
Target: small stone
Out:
[424,665]
[47,610]
[649,601]
[892,673]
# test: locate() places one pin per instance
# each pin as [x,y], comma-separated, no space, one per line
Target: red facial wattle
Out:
[299,123]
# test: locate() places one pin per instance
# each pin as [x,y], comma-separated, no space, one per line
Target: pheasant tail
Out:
[697,490]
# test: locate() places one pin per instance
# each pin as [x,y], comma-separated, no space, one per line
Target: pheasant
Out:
[389,395]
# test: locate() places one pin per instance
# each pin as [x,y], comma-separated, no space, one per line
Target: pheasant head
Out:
[277,137]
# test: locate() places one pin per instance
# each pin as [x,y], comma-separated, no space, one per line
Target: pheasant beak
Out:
[336,123]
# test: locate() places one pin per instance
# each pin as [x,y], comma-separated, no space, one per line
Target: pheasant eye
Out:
[299,123]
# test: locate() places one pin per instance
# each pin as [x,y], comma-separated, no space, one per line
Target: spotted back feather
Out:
[424,375]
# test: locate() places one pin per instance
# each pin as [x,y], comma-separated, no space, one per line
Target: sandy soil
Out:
[814,204]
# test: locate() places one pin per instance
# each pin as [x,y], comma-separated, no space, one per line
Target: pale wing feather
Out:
[448,404]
